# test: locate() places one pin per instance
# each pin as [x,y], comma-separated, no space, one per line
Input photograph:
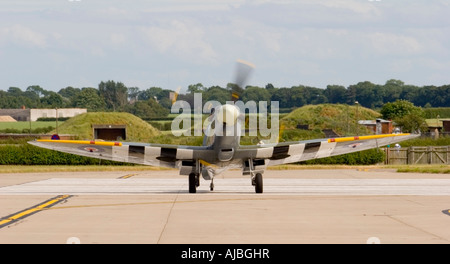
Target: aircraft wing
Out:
[290,152]
[160,155]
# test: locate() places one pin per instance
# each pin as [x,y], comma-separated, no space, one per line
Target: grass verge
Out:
[68,168]
[437,169]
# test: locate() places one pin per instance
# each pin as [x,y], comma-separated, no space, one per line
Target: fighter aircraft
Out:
[222,151]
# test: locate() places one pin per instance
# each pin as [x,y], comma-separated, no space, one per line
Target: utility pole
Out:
[56,109]
[348,124]
[357,117]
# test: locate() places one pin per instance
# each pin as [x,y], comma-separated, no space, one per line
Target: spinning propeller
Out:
[243,71]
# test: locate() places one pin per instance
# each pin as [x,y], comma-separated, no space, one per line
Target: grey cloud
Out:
[291,42]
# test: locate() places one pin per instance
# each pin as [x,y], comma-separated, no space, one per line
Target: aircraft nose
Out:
[228,114]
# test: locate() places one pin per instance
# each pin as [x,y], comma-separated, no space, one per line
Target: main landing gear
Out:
[194,182]
[256,175]
[257,181]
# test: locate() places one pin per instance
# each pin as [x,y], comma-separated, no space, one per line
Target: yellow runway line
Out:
[127,176]
[7,220]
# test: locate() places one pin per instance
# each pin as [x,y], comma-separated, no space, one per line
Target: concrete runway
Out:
[297,206]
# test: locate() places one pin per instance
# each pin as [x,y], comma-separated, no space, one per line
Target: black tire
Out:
[258,183]
[192,183]
[197,180]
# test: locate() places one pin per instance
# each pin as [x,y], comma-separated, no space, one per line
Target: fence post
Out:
[408,154]
[386,157]
[429,155]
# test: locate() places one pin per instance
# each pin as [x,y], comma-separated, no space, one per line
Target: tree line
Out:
[366,94]
[155,102]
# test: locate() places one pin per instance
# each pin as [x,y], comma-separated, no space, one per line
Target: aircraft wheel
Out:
[197,180]
[258,183]
[192,183]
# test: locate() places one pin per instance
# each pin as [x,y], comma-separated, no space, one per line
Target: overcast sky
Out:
[171,43]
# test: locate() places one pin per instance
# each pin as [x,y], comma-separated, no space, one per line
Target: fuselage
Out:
[224,132]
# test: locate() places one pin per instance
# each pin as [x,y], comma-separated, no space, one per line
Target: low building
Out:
[437,127]
[17,114]
[379,126]
[110,132]
[446,125]
[34,114]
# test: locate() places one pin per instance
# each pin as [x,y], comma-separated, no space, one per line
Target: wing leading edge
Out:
[160,155]
[290,152]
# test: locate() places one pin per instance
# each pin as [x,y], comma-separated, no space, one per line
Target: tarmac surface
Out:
[154,207]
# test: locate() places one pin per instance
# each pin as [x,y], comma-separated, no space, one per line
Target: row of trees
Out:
[109,96]
[155,101]
[367,94]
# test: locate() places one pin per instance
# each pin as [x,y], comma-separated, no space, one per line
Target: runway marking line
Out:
[160,202]
[127,176]
[7,220]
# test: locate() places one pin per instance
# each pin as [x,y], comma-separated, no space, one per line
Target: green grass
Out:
[81,125]
[341,118]
[430,169]
[417,142]
[434,169]
[26,125]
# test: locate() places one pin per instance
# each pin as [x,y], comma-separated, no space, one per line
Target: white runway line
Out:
[73,186]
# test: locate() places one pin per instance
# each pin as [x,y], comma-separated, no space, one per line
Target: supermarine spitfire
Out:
[222,151]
